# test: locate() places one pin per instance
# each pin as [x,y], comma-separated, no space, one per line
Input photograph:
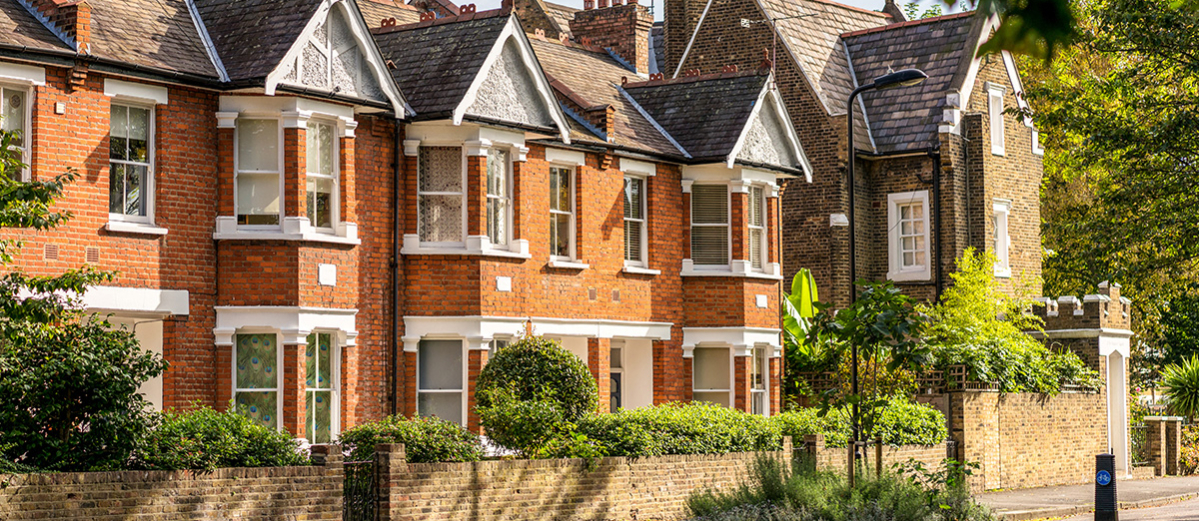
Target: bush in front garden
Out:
[426,440]
[899,422]
[206,439]
[806,421]
[681,428]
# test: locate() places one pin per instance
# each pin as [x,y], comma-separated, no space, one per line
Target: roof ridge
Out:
[879,14]
[393,3]
[694,78]
[540,36]
[908,23]
[465,17]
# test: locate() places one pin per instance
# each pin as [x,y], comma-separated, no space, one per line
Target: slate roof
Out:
[906,119]
[657,38]
[710,132]
[437,60]
[155,33]
[594,76]
[252,36]
[375,11]
[561,15]
[19,28]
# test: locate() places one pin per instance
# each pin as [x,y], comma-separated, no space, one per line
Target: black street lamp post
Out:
[902,78]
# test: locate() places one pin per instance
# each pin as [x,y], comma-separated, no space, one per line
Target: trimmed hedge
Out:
[426,440]
[678,428]
[900,422]
[206,439]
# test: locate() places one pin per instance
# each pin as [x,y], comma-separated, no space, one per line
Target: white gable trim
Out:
[967,87]
[209,47]
[770,96]
[513,31]
[691,41]
[362,35]
[1013,76]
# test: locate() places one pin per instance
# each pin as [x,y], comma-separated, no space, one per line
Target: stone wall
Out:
[313,492]
[1028,440]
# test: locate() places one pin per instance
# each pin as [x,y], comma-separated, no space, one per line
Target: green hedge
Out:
[899,422]
[425,440]
[206,439]
[693,428]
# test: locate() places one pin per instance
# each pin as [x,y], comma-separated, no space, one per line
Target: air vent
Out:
[615,295]
[51,252]
[592,294]
[93,255]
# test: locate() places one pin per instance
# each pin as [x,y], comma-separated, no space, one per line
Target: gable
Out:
[508,92]
[335,54]
[765,142]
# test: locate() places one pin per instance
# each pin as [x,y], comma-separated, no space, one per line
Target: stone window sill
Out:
[567,265]
[638,270]
[293,229]
[135,228]
[476,246]
[738,268]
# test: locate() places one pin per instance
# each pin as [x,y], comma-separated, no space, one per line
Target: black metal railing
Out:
[1138,435]
[360,497]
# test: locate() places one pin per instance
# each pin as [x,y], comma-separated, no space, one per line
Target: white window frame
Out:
[334,390]
[27,124]
[149,188]
[732,399]
[335,218]
[572,252]
[759,354]
[995,93]
[728,228]
[462,195]
[465,382]
[508,210]
[763,248]
[896,270]
[643,262]
[278,390]
[237,171]
[1001,238]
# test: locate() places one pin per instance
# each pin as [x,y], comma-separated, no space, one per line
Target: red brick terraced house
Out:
[333,210]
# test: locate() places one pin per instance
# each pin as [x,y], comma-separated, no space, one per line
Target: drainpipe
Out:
[394,264]
[935,154]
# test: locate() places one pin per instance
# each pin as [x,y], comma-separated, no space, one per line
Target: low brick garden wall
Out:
[288,493]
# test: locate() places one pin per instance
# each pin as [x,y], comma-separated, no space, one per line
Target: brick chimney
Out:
[72,17]
[533,16]
[622,28]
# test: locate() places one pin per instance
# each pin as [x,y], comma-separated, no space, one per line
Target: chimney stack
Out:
[622,28]
[72,17]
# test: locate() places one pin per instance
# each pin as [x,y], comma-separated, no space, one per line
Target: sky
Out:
[873,5]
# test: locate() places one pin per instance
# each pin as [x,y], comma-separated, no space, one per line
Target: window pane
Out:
[757,215]
[256,362]
[320,416]
[632,198]
[616,358]
[565,201]
[258,145]
[755,248]
[118,144]
[632,240]
[318,358]
[711,368]
[709,204]
[13,117]
[440,169]
[447,406]
[497,221]
[258,195]
[497,172]
[260,407]
[440,364]
[555,190]
[560,235]
[320,202]
[139,132]
[135,183]
[721,398]
[440,218]
[327,149]
[116,188]
[710,245]
[758,380]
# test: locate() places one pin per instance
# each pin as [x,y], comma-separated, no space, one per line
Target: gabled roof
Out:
[19,28]
[253,36]
[157,33]
[907,119]
[375,11]
[561,15]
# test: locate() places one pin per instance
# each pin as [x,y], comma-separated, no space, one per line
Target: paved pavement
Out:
[1048,502]
[1182,511]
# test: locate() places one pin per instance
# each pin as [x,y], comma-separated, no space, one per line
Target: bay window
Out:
[256,377]
[130,162]
[710,375]
[757,227]
[322,175]
[499,200]
[634,221]
[320,391]
[710,225]
[259,176]
[562,213]
[440,378]
[441,195]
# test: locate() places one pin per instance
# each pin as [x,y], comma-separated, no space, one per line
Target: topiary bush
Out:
[426,440]
[206,439]
[539,369]
[678,428]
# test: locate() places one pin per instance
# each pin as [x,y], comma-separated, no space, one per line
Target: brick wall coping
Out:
[1164,418]
[506,464]
[150,476]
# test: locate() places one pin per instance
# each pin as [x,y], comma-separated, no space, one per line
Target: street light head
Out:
[903,78]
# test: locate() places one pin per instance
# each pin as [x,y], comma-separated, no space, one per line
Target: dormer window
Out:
[259,179]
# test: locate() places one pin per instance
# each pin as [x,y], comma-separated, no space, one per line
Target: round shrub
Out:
[538,369]
[426,440]
[677,428]
[206,439]
[524,426]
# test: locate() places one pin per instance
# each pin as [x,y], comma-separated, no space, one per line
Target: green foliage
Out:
[539,369]
[1180,327]
[677,428]
[573,445]
[883,322]
[777,493]
[1180,383]
[978,326]
[898,422]
[206,439]
[525,426]
[426,440]
[1189,449]
[804,421]
[912,11]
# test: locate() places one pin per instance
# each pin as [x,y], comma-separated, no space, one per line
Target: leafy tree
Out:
[1180,327]
[69,397]
[912,11]
[1181,385]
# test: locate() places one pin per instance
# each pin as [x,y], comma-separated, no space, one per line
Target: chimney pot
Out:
[603,4]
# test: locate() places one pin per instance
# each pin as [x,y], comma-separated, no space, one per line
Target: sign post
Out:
[1106,508]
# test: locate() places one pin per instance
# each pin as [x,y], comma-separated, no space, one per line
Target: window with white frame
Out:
[14,117]
[616,375]
[634,220]
[440,195]
[758,371]
[1001,241]
[131,163]
[710,225]
[499,199]
[321,154]
[710,375]
[995,113]
[320,393]
[562,213]
[908,236]
[256,361]
[495,345]
[259,181]
[757,227]
[440,377]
